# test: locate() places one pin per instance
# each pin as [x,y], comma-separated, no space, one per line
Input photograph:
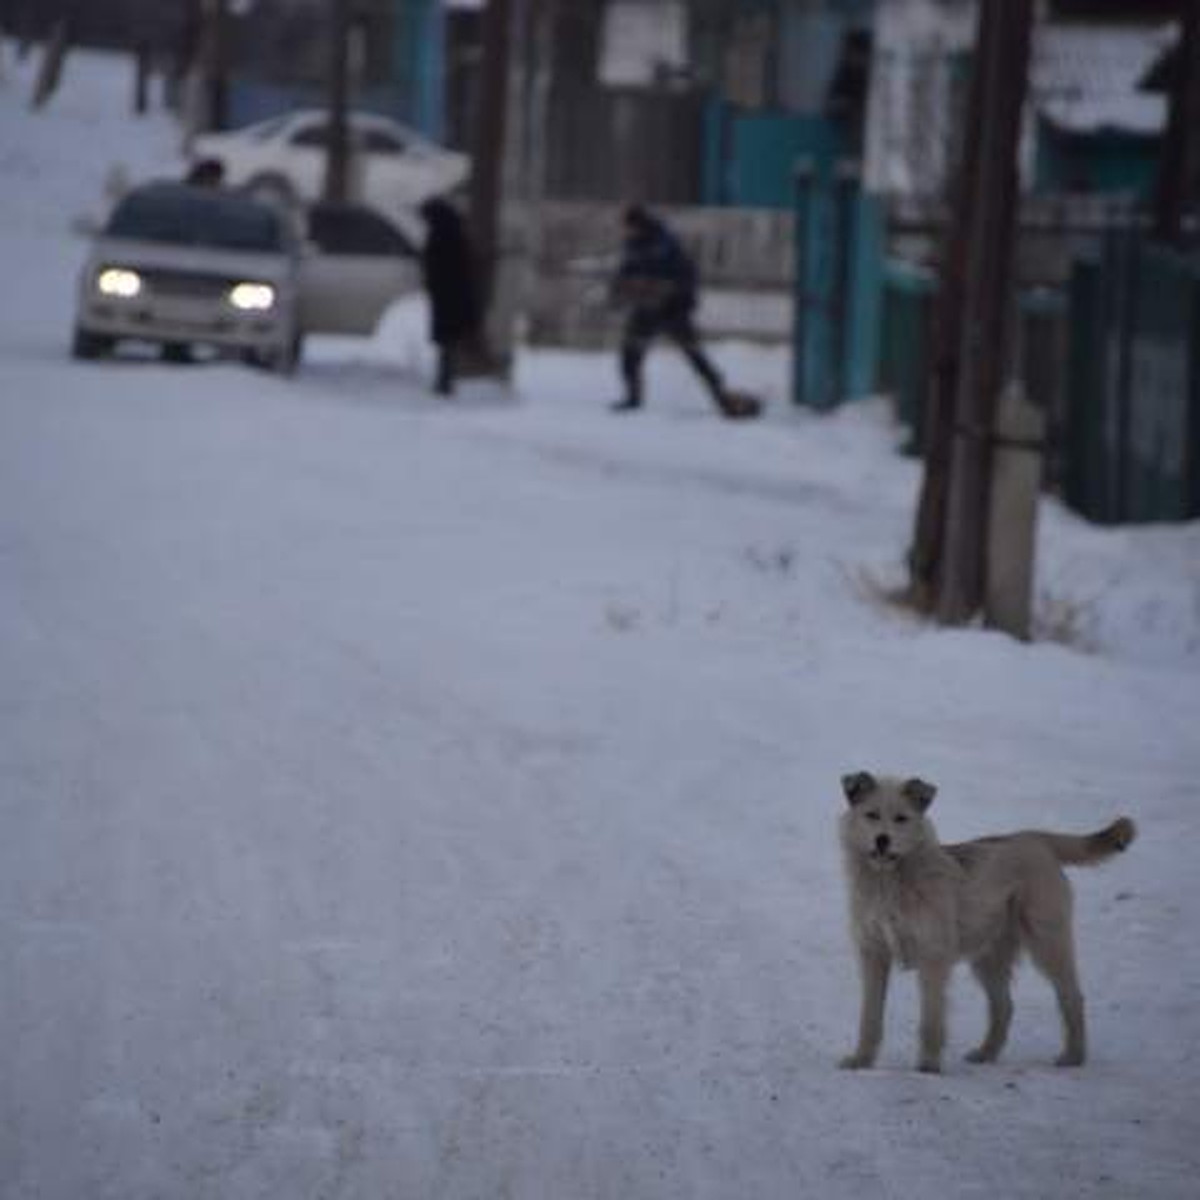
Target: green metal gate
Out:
[1133,438]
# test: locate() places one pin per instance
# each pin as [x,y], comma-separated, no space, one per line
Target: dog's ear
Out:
[857,786]
[919,792]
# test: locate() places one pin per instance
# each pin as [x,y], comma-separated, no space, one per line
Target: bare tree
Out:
[53,57]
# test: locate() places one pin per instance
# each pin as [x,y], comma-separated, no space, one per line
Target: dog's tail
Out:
[1092,848]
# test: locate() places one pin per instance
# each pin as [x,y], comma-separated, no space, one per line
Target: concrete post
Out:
[1012,519]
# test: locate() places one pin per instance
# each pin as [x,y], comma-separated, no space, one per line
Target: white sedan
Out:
[179,266]
[392,168]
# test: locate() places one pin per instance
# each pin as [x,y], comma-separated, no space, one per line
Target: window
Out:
[379,141]
[312,135]
[183,216]
[351,229]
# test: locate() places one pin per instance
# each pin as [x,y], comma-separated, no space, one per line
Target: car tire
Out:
[282,362]
[88,345]
[272,189]
[285,362]
[175,352]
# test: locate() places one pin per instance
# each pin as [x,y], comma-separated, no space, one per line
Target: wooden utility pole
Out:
[337,162]
[926,554]
[971,323]
[1178,190]
[988,308]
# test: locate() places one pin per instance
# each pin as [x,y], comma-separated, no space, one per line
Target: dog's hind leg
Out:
[994,971]
[1052,949]
[875,965]
[933,979]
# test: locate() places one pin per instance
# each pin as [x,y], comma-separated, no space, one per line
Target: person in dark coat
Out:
[206,172]
[448,266]
[657,279]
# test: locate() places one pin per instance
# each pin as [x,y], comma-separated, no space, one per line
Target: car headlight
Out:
[252,297]
[119,281]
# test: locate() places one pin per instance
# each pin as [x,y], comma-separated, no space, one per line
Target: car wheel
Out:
[175,352]
[90,345]
[285,362]
[271,189]
[282,362]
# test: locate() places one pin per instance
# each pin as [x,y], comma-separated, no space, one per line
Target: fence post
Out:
[864,313]
[1118,286]
[841,308]
[820,266]
[803,180]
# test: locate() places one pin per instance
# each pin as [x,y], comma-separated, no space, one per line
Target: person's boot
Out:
[712,378]
[631,374]
[444,383]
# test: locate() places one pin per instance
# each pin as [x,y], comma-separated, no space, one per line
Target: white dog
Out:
[923,905]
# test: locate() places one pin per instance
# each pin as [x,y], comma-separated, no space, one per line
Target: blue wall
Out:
[419,62]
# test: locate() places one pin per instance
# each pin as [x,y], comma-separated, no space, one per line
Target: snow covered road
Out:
[407,799]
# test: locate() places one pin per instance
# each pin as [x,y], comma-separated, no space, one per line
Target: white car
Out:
[392,168]
[179,266]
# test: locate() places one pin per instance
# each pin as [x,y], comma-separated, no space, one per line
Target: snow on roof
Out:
[1086,78]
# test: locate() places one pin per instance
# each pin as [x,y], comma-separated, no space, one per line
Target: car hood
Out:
[128,252]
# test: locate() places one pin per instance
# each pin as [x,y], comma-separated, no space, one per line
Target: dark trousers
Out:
[447,364]
[643,326]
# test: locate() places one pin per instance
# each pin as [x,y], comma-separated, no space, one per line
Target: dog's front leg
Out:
[875,964]
[934,976]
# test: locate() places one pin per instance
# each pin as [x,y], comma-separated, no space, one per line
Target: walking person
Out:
[657,279]
[448,267]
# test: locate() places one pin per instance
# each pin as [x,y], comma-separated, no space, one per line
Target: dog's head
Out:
[886,817]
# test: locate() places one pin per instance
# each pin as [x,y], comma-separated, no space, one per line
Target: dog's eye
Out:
[901,818]
[872,816]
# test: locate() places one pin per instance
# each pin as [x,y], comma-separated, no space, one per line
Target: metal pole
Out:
[803,176]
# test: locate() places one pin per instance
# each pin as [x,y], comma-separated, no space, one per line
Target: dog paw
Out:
[1069,1058]
[929,1066]
[854,1062]
[980,1055]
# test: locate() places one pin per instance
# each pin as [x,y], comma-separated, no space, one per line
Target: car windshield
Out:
[191,217]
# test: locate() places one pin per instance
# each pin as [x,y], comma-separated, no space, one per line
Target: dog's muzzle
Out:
[882,852]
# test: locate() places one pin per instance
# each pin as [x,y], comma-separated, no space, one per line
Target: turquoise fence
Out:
[905,344]
[1132,449]
[839,274]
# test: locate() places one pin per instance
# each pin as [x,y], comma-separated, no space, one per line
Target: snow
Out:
[426,799]
[1087,78]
